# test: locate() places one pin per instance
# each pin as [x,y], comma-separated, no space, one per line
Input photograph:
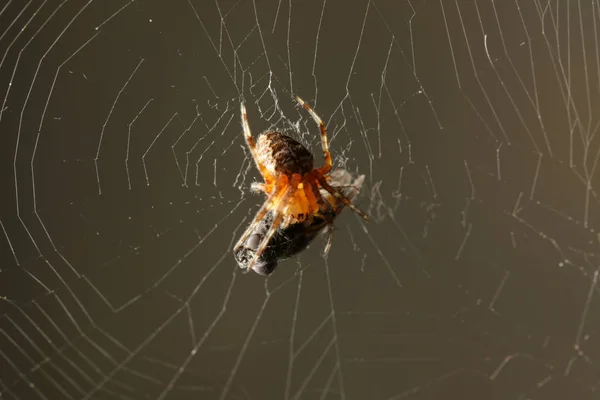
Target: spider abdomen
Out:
[281,154]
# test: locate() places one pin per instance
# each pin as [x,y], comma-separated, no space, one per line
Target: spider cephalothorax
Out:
[291,182]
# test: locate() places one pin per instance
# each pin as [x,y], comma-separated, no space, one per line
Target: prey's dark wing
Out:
[294,238]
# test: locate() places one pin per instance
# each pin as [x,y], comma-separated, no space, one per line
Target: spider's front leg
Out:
[280,208]
[272,203]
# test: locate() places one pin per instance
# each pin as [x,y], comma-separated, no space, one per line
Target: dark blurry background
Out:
[125,182]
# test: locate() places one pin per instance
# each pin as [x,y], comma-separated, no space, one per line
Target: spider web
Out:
[125,182]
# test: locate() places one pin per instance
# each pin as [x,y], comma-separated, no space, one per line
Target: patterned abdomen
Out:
[281,154]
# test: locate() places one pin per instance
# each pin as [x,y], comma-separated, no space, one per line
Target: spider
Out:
[291,182]
[294,238]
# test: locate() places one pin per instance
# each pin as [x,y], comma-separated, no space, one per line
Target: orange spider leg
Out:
[342,198]
[279,212]
[324,145]
[310,197]
[319,199]
[271,203]
[327,212]
[252,146]
[322,172]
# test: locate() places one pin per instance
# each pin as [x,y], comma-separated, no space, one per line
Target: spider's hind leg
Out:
[324,144]
[252,146]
